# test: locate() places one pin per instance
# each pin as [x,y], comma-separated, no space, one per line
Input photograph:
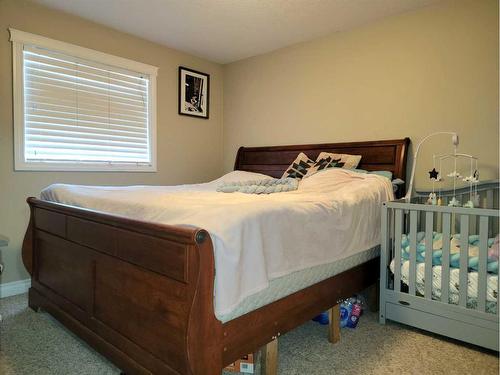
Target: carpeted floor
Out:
[34,343]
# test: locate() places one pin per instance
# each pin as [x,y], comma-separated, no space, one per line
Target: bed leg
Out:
[269,358]
[334,324]
[33,302]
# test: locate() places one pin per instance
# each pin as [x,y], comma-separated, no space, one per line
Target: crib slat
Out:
[429,226]
[483,263]
[445,259]
[464,259]
[413,252]
[489,199]
[398,221]
[384,247]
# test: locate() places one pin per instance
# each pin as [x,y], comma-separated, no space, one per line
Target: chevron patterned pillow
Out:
[324,163]
[298,169]
[349,161]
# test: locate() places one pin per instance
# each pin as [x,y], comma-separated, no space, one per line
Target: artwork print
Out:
[194,91]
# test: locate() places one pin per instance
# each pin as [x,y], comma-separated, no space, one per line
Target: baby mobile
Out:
[472,179]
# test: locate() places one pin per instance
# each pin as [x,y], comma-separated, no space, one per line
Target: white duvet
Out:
[332,215]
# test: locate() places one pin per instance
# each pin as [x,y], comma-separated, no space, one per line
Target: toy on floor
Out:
[350,311]
[322,318]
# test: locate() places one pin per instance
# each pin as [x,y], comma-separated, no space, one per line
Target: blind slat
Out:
[58,59]
[45,68]
[103,117]
[84,79]
[35,96]
[79,87]
[87,109]
[86,129]
[73,137]
[80,145]
[77,110]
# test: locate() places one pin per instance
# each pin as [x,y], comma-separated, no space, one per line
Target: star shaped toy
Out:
[433,174]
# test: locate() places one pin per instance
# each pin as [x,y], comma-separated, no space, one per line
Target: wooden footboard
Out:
[140,293]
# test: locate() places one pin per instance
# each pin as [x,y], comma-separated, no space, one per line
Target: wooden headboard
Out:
[388,155]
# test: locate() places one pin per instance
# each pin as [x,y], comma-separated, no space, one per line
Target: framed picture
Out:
[194,92]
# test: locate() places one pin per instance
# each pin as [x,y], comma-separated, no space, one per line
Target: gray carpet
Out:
[34,343]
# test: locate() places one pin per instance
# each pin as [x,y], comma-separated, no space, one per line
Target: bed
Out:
[142,293]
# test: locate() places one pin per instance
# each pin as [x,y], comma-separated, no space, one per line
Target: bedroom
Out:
[280,73]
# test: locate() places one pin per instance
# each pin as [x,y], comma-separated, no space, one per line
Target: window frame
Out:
[21,38]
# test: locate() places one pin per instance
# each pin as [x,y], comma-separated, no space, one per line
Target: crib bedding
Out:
[473,260]
[256,238]
[472,290]
[455,243]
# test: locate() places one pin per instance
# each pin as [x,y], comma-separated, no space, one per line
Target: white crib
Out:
[465,310]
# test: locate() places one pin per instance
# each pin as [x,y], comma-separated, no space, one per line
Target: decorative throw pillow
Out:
[298,169]
[350,161]
[324,163]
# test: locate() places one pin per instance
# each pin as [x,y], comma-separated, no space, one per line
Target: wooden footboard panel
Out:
[133,290]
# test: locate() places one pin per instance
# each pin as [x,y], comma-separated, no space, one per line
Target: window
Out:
[76,109]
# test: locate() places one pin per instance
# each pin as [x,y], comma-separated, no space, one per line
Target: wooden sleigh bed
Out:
[142,293]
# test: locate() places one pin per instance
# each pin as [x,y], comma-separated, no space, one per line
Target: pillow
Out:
[350,161]
[234,176]
[298,169]
[386,174]
[322,164]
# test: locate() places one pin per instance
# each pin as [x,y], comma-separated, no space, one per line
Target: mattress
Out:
[289,284]
[472,292]
[333,215]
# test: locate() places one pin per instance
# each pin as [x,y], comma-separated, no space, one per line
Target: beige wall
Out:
[405,76]
[189,149]
[410,75]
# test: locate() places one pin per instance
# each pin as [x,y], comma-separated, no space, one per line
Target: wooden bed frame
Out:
[142,293]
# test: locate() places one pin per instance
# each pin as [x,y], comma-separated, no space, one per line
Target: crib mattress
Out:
[291,283]
[491,290]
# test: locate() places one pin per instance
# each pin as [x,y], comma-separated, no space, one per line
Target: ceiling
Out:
[224,31]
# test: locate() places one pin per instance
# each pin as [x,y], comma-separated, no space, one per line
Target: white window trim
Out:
[19,39]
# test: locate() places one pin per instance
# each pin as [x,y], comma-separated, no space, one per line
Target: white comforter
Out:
[256,238]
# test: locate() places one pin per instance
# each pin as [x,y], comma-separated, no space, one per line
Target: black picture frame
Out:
[194,93]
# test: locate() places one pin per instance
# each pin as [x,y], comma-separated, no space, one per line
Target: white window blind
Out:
[76,110]
[79,111]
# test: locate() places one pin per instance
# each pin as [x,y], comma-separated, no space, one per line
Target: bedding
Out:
[256,238]
[437,245]
[267,186]
[491,289]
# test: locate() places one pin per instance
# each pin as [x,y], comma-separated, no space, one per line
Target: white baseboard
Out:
[15,287]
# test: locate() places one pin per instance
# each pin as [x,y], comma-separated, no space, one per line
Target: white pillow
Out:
[236,176]
[349,161]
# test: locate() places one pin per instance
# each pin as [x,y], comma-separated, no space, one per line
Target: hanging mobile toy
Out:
[472,179]
[435,177]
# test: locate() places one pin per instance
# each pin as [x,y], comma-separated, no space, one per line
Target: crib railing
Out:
[488,192]
[401,218]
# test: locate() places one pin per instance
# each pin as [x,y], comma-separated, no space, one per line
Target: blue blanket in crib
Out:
[454,251]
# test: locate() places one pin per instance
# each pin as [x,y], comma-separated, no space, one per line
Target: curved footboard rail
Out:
[140,293]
